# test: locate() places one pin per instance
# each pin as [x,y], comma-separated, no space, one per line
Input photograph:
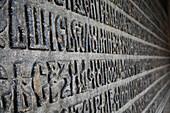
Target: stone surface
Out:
[83,56]
[167,107]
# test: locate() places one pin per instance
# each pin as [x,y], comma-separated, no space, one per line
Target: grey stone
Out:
[82,56]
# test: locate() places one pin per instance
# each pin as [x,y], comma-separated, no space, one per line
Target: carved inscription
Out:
[3,23]
[39,29]
[82,56]
[52,81]
[23,94]
[6,91]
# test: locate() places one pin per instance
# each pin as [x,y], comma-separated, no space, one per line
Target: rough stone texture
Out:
[167,107]
[83,56]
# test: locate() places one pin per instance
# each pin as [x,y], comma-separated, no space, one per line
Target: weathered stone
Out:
[82,56]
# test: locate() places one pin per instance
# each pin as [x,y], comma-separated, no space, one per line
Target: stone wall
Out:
[83,56]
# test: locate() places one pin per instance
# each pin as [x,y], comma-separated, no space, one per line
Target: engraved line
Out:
[152,13]
[99,25]
[127,15]
[162,9]
[94,92]
[163,103]
[148,18]
[129,79]
[163,12]
[71,56]
[142,93]
[155,15]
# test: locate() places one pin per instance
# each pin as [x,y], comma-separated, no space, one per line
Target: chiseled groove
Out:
[155,15]
[163,102]
[142,74]
[127,15]
[166,18]
[151,12]
[93,92]
[101,25]
[144,111]
[162,10]
[148,18]
[142,93]
[145,42]
[71,55]
[112,56]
